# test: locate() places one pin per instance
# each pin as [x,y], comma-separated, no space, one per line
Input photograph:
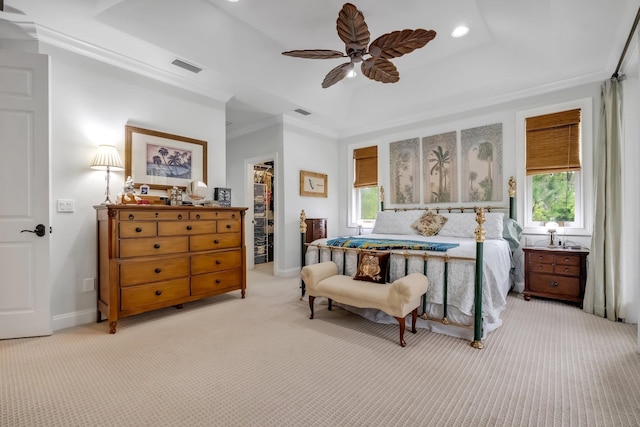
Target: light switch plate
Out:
[66,205]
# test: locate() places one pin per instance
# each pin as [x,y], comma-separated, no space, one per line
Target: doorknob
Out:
[39,230]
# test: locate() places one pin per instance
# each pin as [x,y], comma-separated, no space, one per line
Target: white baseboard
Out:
[68,320]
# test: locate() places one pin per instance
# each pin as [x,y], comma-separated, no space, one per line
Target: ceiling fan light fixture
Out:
[460,31]
[351,73]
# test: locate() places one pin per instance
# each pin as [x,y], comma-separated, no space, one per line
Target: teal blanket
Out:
[387,244]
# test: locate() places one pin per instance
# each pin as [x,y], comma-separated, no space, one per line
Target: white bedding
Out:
[460,295]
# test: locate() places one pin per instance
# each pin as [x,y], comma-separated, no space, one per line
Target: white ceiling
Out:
[514,48]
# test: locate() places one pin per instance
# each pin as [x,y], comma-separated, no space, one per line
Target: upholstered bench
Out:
[397,299]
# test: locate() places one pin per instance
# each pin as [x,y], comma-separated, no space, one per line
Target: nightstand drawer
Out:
[567,260]
[568,270]
[545,258]
[540,268]
[549,284]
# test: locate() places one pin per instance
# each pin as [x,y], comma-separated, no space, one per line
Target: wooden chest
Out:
[151,256]
[555,273]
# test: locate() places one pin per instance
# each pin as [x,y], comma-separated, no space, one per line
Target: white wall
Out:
[295,149]
[90,103]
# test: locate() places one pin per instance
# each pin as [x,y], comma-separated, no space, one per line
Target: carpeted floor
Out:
[261,361]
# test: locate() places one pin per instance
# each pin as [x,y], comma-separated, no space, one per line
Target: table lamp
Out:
[107,158]
[552,229]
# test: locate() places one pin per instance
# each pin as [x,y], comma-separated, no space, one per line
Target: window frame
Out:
[584,178]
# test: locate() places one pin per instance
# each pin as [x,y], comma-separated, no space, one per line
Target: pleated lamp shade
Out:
[107,156]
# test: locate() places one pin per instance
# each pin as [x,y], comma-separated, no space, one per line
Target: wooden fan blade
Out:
[352,29]
[398,43]
[381,70]
[337,74]
[315,54]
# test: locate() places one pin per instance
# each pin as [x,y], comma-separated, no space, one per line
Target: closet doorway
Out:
[263,215]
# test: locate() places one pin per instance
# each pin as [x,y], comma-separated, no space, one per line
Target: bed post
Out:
[512,198]
[381,198]
[480,233]
[303,240]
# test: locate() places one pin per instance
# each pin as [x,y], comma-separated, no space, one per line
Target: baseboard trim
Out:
[77,318]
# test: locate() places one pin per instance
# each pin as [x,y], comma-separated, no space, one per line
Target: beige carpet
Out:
[261,361]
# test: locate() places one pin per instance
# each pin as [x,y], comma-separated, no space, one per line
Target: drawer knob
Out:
[566,270]
[138,230]
[539,267]
[567,259]
[180,216]
[157,246]
[553,284]
[218,281]
[198,216]
[158,293]
[157,270]
[233,216]
[218,262]
[189,228]
[228,225]
[131,216]
[216,241]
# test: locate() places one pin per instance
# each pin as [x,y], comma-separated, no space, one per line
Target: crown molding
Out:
[63,41]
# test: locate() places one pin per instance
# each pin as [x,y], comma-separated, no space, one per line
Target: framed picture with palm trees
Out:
[162,160]
[440,168]
[481,152]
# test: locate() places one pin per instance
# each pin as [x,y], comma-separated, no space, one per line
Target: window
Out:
[553,168]
[365,184]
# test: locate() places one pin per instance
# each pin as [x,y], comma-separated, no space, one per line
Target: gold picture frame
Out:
[313,184]
[162,160]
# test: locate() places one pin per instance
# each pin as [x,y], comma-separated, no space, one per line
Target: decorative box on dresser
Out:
[316,229]
[555,272]
[155,256]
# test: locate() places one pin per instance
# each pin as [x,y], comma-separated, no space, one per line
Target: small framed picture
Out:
[144,189]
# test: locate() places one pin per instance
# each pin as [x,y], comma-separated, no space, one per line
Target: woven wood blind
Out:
[553,143]
[366,166]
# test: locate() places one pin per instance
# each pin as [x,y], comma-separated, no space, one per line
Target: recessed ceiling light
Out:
[460,31]
[233,1]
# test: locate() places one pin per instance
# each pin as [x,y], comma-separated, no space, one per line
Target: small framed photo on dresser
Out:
[222,196]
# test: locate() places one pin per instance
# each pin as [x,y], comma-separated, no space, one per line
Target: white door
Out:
[25,289]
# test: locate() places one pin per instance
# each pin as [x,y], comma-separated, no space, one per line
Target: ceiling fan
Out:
[353,31]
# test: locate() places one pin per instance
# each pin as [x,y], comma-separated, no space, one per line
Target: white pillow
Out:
[396,222]
[464,225]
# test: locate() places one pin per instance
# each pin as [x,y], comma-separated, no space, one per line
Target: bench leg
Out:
[414,318]
[311,298]
[401,323]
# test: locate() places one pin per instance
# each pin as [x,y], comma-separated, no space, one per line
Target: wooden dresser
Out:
[155,256]
[316,229]
[555,273]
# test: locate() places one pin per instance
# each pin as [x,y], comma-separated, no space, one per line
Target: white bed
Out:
[459,321]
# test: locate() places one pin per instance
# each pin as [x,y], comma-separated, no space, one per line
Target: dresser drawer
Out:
[132,229]
[149,215]
[139,272]
[216,282]
[214,215]
[175,228]
[228,226]
[153,246]
[545,258]
[207,242]
[549,284]
[540,268]
[208,263]
[567,270]
[156,293]
[567,260]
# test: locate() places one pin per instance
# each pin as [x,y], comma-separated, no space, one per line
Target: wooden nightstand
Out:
[556,273]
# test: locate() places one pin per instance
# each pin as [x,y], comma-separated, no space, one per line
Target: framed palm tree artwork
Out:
[481,176]
[440,168]
[162,160]
[404,168]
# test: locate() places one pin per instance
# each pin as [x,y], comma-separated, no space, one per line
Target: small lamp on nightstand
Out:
[107,158]
[552,229]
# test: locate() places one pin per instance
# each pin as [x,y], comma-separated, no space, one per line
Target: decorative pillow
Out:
[429,223]
[464,225]
[372,267]
[396,222]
